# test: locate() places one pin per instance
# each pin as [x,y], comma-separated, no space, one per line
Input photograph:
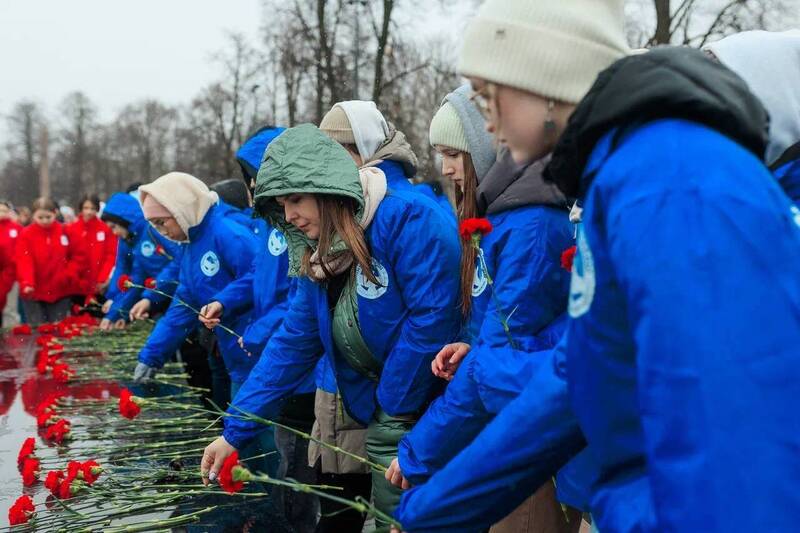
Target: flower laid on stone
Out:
[58,432]
[568,258]
[27,451]
[62,372]
[53,480]
[127,405]
[22,329]
[30,471]
[21,511]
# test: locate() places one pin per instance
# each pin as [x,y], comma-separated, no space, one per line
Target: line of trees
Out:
[310,54]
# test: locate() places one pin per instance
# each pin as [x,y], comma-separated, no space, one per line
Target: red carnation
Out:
[127,406]
[30,472]
[44,340]
[26,451]
[470,227]
[124,283]
[63,372]
[233,475]
[47,329]
[58,431]
[567,258]
[46,418]
[21,511]
[65,489]
[90,471]
[150,283]
[22,329]
[53,480]
[76,309]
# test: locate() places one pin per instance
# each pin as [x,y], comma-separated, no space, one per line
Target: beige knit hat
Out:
[185,197]
[336,125]
[446,129]
[554,49]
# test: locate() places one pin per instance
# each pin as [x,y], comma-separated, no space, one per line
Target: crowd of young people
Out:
[648,384]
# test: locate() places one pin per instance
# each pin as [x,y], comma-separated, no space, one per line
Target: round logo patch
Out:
[365,288]
[64,240]
[13,233]
[582,284]
[479,282]
[277,243]
[147,248]
[209,264]
[796,214]
[101,236]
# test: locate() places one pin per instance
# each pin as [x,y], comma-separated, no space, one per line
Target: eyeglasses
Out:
[481,99]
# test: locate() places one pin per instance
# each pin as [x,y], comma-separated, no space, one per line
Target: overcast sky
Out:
[119,52]
[116,52]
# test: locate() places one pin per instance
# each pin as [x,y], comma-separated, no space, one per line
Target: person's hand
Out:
[28,290]
[213,457]
[395,476]
[446,362]
[210,314]
[140,310]
[105,325]
[120,324]
[143,372]
[106,306]
[101,287]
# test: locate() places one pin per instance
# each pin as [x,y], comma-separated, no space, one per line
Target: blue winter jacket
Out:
[523,257]
[142,261]
[404,322]
[265,290]
[788,176]
[167,280]
[683,378]
[534,434]
[219,251]
[397,180]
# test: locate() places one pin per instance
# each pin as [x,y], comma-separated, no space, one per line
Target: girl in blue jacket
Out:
[376,294]
[522,253]
[681,355]
[141,254]
[370,139]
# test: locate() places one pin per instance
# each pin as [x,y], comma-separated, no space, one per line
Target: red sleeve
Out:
[6,267]
[24,260]
[77,260]
[109,255]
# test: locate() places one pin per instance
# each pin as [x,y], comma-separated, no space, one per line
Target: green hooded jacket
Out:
[303,160]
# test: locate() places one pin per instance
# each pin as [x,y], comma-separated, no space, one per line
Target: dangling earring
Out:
[549,123]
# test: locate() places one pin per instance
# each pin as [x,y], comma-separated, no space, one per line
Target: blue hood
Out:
[250,154]
[122,207]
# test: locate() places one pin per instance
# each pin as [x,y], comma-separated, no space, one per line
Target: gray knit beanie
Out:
[554,49]
[477,141]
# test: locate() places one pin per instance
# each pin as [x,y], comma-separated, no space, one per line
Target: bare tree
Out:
[20,173]
[695,23]
[78,114]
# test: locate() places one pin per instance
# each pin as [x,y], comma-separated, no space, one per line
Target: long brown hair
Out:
[467,207]
[337,216]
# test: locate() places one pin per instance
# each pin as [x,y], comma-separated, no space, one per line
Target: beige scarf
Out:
[339,257]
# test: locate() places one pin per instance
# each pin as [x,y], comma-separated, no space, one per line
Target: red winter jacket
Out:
[100,247]
[9,231]
[50,262]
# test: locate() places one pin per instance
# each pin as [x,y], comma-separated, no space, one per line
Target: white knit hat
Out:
[446,129]
[552,48]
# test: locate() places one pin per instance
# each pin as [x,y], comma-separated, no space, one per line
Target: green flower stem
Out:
[181,302]
[249,416]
